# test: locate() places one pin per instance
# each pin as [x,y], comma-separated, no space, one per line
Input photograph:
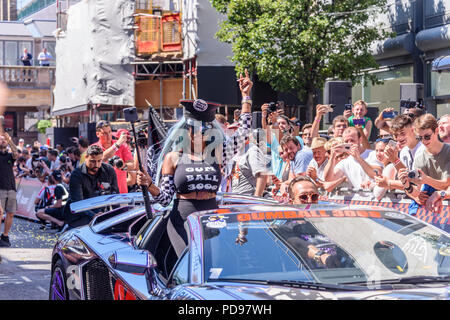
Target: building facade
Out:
[30,87]
[422,34]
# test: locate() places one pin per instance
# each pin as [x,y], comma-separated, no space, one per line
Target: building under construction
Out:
[112,54]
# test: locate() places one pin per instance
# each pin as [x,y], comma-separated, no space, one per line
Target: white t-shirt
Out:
[353,171]
[320,170]
[407,155]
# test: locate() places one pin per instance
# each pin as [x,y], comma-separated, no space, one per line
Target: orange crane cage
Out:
[156,33]
[148,34]
[171,32]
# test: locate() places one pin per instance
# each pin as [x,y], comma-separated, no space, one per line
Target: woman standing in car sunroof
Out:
[190,162]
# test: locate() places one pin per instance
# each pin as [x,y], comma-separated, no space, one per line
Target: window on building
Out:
[439,83]
[388,93]
[11,57]
[11,51]
[442,108]
[1,53]
[51,46]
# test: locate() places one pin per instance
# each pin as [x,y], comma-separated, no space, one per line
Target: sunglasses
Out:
[197,129]
[312,197]
[426,137]
[384,140]
[103,123]
[411,115]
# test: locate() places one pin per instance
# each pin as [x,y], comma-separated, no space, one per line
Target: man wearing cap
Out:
[317,165]
[55,191]
[113,148]
[21,146]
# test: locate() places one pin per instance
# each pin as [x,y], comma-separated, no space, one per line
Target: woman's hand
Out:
[143,179]
[245,84]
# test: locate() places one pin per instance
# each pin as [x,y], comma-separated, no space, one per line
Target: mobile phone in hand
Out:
[390,115]
[359,122]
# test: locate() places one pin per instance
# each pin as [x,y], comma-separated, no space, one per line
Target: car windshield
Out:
[327,247]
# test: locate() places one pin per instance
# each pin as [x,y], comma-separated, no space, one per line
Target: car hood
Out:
[255,292]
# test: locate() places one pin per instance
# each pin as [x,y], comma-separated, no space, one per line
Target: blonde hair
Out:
[333,142]
[361,102]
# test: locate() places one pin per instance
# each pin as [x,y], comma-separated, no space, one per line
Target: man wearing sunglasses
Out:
[432,163]
[113,148]
[303,190]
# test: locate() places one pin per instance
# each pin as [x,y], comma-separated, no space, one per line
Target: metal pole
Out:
[160,91]
[184,80]
[190,79]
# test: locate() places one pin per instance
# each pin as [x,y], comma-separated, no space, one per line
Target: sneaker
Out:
[4,241]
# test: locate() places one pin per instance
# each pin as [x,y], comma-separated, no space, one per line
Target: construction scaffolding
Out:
[152,41]
[159,56]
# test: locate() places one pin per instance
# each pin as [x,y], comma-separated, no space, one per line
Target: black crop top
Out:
[197,176]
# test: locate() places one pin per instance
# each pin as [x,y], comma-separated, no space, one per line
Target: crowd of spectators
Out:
[53,167]
[410,153]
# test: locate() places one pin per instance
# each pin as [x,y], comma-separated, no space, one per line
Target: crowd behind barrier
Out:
[406,168]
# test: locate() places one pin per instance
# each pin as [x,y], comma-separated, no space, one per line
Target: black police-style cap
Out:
[57,175]
[199,109]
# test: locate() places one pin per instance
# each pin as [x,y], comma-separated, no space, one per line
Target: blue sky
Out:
[21,3]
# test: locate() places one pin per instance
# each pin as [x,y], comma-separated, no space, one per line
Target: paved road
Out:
[25,266]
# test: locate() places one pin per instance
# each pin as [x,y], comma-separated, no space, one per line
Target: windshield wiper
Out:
[407,280]
[296,284]
[317,286]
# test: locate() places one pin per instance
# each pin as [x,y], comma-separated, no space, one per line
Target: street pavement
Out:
[25,266]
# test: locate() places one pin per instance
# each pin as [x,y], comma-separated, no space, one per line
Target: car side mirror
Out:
[136,261]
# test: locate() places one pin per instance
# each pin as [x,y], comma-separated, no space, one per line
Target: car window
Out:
[330,247]
[181,272]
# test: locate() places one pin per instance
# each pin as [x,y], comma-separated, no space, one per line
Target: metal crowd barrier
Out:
[27,191]
[396,200]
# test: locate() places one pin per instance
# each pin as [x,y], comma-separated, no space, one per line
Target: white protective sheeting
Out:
[94,56]
[200,24]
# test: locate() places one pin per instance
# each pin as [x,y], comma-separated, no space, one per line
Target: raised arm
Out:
[232,146]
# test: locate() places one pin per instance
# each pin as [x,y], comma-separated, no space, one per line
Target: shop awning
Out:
[441,64]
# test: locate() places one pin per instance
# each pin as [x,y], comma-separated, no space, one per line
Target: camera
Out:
[273,107]
[142,139]
[348,106]
[414,174]
[131,115]
[408,104]
[116,162]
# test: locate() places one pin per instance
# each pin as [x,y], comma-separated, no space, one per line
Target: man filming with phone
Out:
[116,152]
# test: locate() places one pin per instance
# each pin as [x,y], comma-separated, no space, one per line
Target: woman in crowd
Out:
[192,174]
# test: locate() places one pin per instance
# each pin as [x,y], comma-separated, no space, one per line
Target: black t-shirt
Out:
[7,181]
[59,192]
[84,185]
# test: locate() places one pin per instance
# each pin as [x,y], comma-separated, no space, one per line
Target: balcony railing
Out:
[20,76]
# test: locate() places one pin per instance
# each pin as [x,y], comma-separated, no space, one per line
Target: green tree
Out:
[296,45]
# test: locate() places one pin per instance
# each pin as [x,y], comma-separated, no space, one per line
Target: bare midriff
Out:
[202,195]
